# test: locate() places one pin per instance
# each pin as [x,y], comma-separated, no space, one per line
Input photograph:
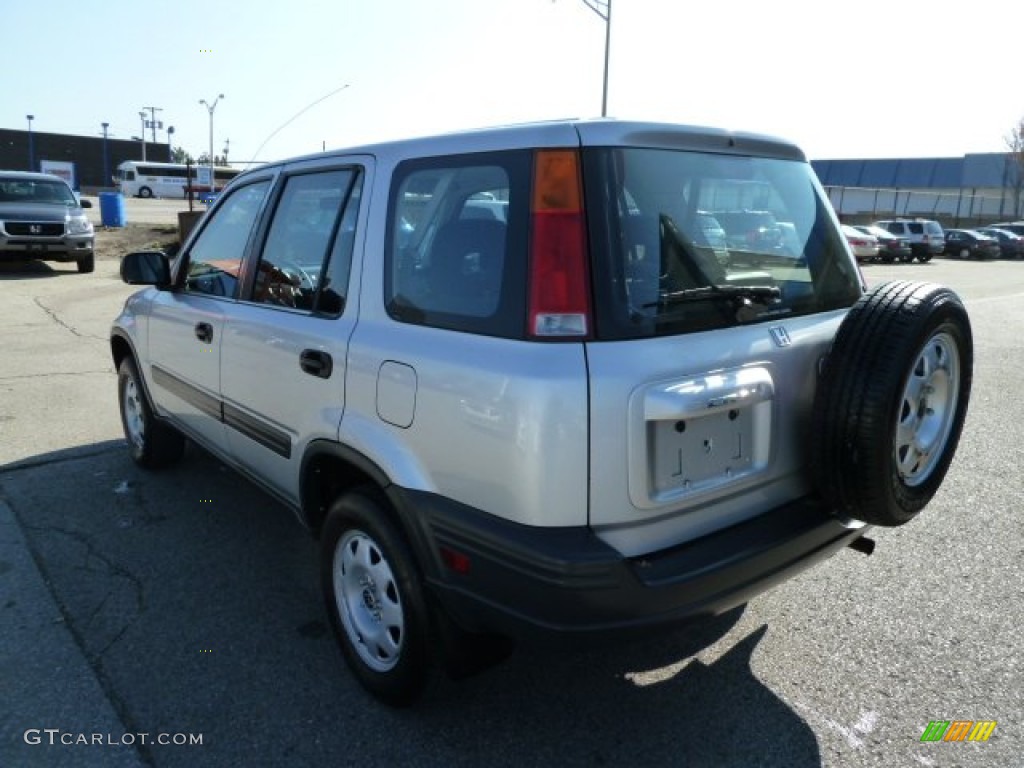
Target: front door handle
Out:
[316,363]
[204,332]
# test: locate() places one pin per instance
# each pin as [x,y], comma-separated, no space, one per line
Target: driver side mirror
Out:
[146,268]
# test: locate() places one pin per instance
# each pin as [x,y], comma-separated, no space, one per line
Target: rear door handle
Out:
[204,332]
[316,363]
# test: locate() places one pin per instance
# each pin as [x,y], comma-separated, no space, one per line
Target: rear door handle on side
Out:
[204,332]
[316,363]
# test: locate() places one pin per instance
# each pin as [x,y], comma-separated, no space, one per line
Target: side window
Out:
[456,255]
[293,270]
[215,259]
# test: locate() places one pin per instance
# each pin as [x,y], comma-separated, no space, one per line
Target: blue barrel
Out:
[112,209]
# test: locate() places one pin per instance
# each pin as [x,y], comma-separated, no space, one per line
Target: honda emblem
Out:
[780,336]
[35,229]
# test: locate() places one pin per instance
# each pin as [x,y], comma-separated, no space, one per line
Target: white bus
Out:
[136,178]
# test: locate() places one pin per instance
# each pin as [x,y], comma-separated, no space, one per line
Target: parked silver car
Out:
[41,219]
[512,389]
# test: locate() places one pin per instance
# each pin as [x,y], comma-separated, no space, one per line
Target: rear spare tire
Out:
[891,401]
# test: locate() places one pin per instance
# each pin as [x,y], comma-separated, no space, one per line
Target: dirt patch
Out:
[114,242]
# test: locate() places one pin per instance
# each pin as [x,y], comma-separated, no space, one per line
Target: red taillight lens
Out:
[559,279]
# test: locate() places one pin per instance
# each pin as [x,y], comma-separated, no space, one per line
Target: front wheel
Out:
[373,594]
[145,192]
[891,402]
[87,263]
[152,443]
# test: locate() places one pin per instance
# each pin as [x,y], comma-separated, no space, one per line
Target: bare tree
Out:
[1015,166]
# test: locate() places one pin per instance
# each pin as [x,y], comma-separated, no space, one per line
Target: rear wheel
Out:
[891,402]
[924,258]
[965,253]
[374,597]
[152,443]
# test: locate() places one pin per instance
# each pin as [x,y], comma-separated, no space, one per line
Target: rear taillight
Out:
[559,279]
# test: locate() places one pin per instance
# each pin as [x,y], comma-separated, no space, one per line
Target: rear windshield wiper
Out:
[762,294]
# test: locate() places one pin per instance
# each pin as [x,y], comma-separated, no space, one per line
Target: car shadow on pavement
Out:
[194,597]
[678,710]
[32,270]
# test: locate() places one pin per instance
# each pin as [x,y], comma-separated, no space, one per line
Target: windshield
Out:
[689,241]
[35,191]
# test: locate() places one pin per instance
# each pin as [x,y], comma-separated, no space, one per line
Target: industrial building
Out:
[95,158]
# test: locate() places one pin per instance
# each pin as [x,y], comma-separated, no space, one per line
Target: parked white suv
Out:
[505,379]
[925,236]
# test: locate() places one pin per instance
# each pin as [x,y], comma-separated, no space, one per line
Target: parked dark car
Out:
[1011,244]
[971,244]
[893,247]
[1017,227]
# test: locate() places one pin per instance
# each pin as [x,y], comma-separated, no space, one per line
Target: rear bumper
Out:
[524,580]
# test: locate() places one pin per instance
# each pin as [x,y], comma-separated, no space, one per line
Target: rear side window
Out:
[456,252]
[661,267]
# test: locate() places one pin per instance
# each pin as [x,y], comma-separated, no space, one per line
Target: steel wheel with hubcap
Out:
[151,442]
[373,594]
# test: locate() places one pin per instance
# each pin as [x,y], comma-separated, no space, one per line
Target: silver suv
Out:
[41,219]
[925,236]
[514,391]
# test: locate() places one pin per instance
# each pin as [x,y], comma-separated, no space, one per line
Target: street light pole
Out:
[210,108]
[31,148]
[106,157]
[142,135]
[170,150]
[603,8]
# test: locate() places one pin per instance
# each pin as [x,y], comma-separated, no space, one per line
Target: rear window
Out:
[659,269]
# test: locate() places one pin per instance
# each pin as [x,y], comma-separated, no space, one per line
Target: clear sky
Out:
[871,78]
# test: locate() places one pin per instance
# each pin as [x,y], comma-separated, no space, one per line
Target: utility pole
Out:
[153,123]
[227,146]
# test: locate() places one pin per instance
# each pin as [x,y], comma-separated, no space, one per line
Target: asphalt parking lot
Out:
[185,603]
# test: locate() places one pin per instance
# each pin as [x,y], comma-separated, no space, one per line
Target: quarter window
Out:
[456,254]
[215,259]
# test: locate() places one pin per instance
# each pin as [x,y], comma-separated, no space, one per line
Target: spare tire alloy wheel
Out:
[374,598]
[891,402]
